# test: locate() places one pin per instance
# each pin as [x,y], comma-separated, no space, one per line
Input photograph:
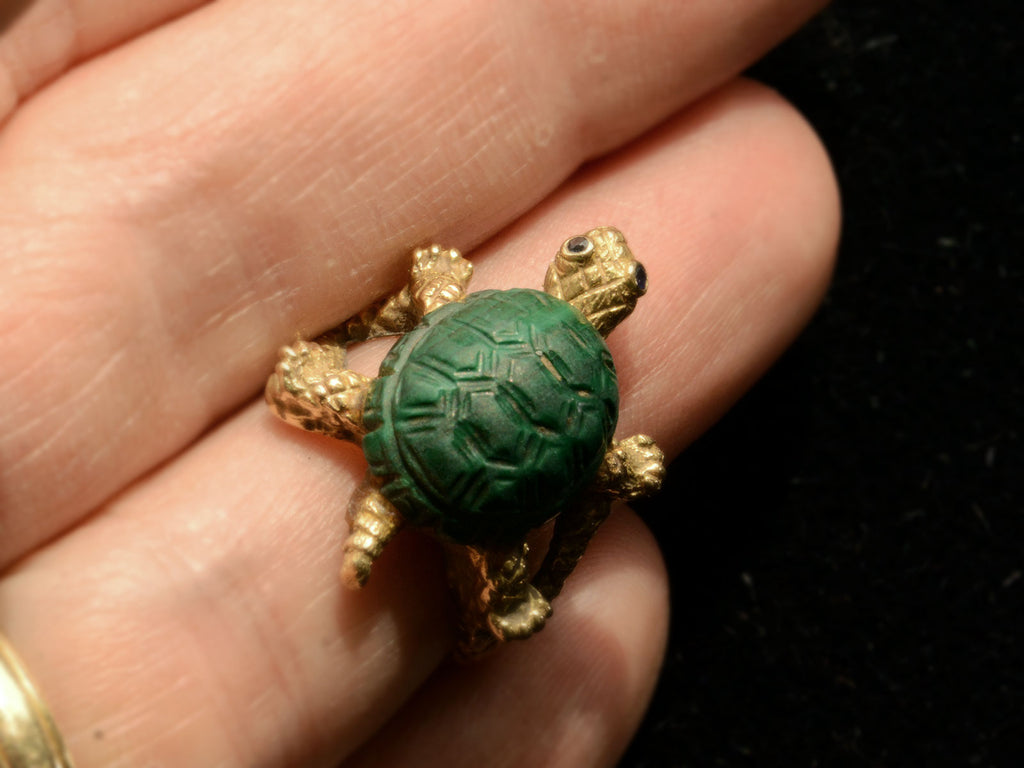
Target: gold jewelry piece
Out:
[28,736]
[493,415]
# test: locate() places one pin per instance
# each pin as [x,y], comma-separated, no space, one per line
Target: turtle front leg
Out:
[439,276]
[372,522]
[312,389]
[632,468]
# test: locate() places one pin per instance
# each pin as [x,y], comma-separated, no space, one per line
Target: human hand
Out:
[186,187]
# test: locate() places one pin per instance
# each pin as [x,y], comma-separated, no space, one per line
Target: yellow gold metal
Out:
[28,736]
[372,522]
[312,389]
[499,599]
[632,468]
[602,281]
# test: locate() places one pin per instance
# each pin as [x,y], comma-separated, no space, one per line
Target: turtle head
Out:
[598,275]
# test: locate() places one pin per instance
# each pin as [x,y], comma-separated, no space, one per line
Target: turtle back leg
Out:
[496,599]
[439,276]
[632,468]
[574,529]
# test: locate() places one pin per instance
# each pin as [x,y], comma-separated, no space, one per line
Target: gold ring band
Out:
[28,736]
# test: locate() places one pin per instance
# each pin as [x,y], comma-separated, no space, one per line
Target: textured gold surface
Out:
[372,522]
[28,736]
[438,276]
[498,599]
[312,389]
[632,468]
[601,282]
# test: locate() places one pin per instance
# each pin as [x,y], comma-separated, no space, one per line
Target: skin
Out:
[210,181]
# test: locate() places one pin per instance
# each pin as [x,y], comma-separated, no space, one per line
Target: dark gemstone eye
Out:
[577,246]
[641,278]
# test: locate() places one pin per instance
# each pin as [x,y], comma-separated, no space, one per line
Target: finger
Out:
[217,575]
[203,626]
[572,696]
[40,39]
[173,211]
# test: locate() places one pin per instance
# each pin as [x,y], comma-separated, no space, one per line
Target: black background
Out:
[846,547]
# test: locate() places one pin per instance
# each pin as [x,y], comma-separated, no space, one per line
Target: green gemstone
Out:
[491,415]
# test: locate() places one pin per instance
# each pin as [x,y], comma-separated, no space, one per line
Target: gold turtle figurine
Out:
[492,415]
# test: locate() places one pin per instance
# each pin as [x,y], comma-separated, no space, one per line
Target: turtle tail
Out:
[372,522]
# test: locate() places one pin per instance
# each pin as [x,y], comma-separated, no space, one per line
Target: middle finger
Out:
[173,210]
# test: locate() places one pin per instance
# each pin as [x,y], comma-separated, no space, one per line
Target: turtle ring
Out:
[493,414]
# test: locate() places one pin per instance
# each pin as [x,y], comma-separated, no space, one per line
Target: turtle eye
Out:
[577,248]
[640,278]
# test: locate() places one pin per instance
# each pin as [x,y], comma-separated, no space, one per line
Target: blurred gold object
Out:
[28,736]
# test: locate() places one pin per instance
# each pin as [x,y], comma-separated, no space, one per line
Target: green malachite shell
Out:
[491,415]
